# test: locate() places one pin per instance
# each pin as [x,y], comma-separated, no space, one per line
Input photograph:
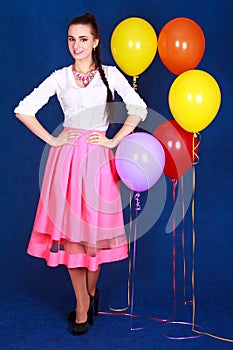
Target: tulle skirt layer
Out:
[79,220]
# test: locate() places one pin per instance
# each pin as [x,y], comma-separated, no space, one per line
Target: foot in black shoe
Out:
[94,306]
[79,328]
[71,318]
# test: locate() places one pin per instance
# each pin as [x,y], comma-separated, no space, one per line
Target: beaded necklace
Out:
[85,79]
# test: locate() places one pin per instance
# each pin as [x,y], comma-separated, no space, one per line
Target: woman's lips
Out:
[78,52]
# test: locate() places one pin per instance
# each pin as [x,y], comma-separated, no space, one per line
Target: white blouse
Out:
[85,107]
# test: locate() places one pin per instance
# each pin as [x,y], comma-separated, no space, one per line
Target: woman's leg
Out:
[79,281]
[92,278]
[78,278]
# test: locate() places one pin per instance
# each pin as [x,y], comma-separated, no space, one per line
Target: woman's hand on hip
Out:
[64,138]
[96,138]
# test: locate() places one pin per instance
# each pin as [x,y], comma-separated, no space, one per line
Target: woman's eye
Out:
[71,39]
[83,40]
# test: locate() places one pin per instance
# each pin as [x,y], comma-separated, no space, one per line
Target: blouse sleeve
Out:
[38,97]
[134,103]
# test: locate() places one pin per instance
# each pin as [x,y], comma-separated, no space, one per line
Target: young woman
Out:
[79,221]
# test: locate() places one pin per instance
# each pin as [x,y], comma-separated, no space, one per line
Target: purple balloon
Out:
[140,161]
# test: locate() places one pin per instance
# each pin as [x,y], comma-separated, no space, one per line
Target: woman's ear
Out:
[96,43]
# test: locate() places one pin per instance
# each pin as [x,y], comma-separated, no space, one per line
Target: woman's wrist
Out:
[52,141]
[115,142]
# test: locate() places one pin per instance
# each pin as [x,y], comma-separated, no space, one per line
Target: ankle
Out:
[91,292]
[81,316]
[82,312]
[83,303]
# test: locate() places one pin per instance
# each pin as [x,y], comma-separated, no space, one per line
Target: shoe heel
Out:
[72,316]
[96,302]
[90,316]
[96,307]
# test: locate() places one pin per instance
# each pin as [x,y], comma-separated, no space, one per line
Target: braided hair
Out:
[90,19]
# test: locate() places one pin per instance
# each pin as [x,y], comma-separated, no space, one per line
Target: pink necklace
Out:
[85,79]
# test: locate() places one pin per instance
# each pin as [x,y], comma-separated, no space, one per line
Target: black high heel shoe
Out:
[82,328]
[93,309]
[79,328]
[95,302]
[72,316]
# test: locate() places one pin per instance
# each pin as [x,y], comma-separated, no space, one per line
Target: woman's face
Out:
[81,41]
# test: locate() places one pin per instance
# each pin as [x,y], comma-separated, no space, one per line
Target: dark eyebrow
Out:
[81,36]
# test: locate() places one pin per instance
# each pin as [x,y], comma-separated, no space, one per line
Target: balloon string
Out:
[130,207]
[128,287]
[135,86]
[193,273]
[183,245]
[183,240]
[129,265]
[193,251]
[195,148]
[182,337]
[137,208]
[174,186]
[134,316]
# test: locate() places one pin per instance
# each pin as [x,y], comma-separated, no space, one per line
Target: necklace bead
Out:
[85,79]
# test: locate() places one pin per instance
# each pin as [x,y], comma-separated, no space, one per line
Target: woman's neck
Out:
[84,67]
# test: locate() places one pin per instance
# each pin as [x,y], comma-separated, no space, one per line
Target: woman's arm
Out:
[136,108]
[129,125]
[127,128]
[32,103]
[33,124]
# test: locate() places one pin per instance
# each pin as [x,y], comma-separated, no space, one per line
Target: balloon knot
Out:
[135,87]
[137,199]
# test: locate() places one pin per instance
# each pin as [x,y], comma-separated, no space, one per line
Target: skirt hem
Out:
[92,263]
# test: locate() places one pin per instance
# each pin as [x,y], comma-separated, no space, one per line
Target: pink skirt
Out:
[79,219]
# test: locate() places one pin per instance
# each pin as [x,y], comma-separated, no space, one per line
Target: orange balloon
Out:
[181,45]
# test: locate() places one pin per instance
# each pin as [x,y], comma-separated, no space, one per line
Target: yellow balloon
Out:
[194,100]
[133,45]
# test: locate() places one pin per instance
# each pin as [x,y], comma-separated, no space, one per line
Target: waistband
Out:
[85,131]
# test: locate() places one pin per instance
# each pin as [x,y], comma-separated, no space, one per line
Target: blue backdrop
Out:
[33,44]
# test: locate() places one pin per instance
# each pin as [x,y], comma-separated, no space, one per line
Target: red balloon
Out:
[180,148]
[181,45]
